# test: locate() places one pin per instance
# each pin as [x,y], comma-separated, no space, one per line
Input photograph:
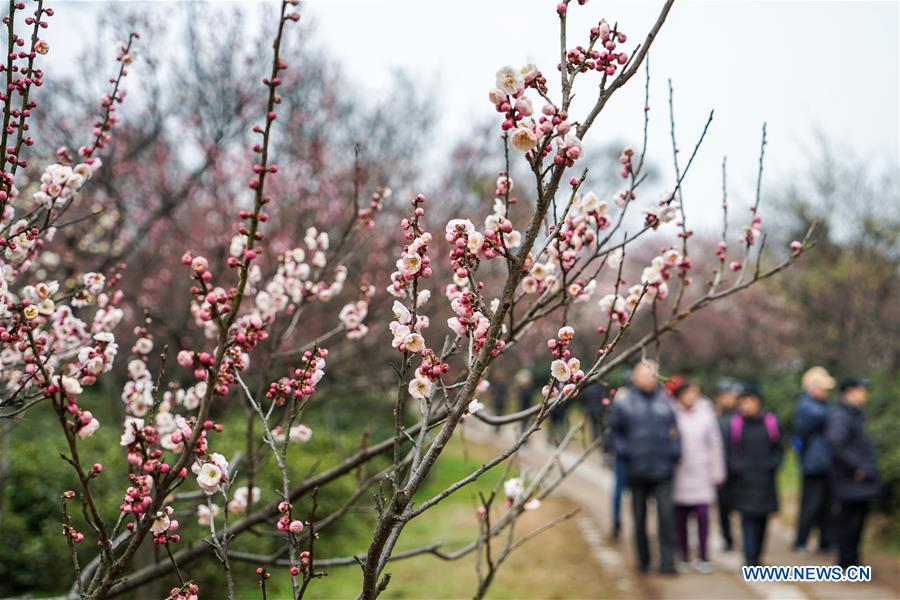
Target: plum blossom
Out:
[514,489]
[532,504]
[297,433]
[560,370]
[510,80]
[240,500]
[420,388]
[523,139]
[88,429]
[211,474]
[614,306]
[161,521]
[133,425]
[205,516]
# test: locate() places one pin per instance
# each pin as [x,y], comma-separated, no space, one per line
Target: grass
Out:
[556,564]
[788,481]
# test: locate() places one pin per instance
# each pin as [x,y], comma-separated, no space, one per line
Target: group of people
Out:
[673,445]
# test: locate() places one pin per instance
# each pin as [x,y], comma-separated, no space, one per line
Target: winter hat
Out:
[818,377]
[751,388]
[852,382]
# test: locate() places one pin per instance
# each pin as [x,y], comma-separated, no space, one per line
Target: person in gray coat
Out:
[644,433]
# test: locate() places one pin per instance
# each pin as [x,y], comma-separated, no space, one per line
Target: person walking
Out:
[592,397]
[854,468]
[810,420]
[499,389]
[726,404]
[524,384]
[700,470]
[754,453]
[619,482]
[644,433]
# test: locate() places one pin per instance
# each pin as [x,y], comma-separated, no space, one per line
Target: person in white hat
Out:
[810,421]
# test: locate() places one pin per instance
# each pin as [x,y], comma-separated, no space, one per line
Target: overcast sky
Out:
[803,67]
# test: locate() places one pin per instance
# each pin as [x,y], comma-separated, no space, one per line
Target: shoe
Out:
[798,549]
[824,550]
[668,570]
[643,569]
[683,566]
[702,566]
[727,547]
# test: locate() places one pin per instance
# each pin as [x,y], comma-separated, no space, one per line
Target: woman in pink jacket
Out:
[700,470]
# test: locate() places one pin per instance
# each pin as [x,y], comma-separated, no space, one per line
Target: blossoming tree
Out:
[59,327]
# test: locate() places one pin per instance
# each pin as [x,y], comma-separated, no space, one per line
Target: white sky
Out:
[804,67]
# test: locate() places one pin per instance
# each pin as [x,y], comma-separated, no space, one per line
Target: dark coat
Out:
[854,469]
[644,433]
[810,421]
[752,462]
[725,488]
[592,398]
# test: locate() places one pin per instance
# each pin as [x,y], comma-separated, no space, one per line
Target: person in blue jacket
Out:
[810,420]
[644,434]
[854,468]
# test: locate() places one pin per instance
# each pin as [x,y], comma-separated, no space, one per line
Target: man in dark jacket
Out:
[810,420]
[592,397]
[854,470]
[643,432]
[726,404]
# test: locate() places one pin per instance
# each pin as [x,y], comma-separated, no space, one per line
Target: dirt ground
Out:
[590,487]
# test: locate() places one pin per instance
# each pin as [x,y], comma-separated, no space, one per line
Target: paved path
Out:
[590,487]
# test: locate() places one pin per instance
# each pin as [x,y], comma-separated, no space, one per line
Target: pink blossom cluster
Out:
[751,231]
[471,322]
[407,334]
[285,522]
[614,306]
[137,393]
[366,215]
[241,499]
[353,314]
[525,133]
[427,373]
[164,528]
[297,278]
[655,276]
[68,530]
[660,212]
[60,183]
[499,233]
[414,262]
[605,60]
[206,513]
[625,161]
[137,496]
[21,75]
[566,369]
[302,382]
[515,491]
[189,591]
[298,433]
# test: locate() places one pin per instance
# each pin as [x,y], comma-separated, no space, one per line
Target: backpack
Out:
[737,428]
